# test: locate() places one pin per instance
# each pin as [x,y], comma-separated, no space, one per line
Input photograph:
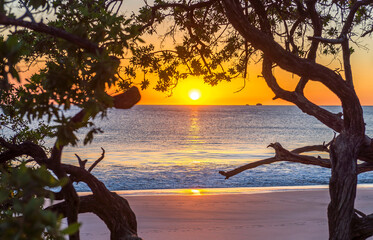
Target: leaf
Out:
[71,229]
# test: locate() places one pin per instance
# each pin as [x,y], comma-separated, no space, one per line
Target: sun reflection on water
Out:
[195,191]
[194,128]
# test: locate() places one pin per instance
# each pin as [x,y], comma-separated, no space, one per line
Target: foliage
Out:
[16,129]
[68,72]
[73,49]
[23,188]
[219,38]
[198,51]
[205,43]
[22,196]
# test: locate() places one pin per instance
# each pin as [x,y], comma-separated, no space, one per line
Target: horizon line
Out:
[246,105]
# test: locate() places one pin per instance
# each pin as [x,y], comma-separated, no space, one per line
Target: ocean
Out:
[172,147]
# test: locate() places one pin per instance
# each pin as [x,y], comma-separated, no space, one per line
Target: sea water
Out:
[171,147]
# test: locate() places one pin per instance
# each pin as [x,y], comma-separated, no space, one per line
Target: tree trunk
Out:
[342,186]
[110,207]
[72,199]
[114,210]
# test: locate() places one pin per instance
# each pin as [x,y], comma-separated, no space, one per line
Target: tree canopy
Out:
[221,37]
[73,52]
[78,46]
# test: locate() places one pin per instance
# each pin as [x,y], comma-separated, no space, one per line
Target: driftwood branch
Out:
[285,155]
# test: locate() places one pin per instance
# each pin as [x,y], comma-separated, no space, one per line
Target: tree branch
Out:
[284,155]
[331,120]
[364,167]
[317,28]
[326,40]
[97,161]
[114,211]
[294,156]
[81,162]
[353,119]
[362,226]
[26,148]
[350,18]
[346,62]
[52,31]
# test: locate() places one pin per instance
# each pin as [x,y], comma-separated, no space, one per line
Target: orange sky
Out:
[256,90]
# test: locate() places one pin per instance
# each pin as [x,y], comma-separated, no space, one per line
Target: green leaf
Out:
[71,229]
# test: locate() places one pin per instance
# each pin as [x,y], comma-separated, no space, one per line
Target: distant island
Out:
[258,104]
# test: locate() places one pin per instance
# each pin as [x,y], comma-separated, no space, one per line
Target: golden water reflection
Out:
[195,191]
[194,128]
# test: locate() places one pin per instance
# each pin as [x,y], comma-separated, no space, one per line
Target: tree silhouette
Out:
[221,37]
[73,50]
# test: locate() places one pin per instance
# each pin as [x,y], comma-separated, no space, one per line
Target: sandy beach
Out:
[280,215]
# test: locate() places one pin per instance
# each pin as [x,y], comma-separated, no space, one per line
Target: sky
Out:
[256,90]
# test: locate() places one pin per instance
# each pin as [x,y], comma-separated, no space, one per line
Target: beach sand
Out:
[298,215]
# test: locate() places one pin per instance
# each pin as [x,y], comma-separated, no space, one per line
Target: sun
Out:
[194,94]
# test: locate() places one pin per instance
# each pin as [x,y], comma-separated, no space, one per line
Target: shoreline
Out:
[220,191]
[284,214]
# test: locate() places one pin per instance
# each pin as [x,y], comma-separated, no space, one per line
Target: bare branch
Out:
[301,85]
[284,155]
[293,156]
[127,99]
[81,163]
[317,28]
[346,62]
[97,161]
[313,148]
[364,167]
[326,40]
[331,120]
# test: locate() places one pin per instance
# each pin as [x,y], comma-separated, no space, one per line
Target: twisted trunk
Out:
[112,209]
[342,186]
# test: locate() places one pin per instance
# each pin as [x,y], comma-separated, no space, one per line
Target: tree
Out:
[220,37]
[73,50]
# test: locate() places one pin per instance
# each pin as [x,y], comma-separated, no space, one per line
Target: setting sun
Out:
[194,94]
